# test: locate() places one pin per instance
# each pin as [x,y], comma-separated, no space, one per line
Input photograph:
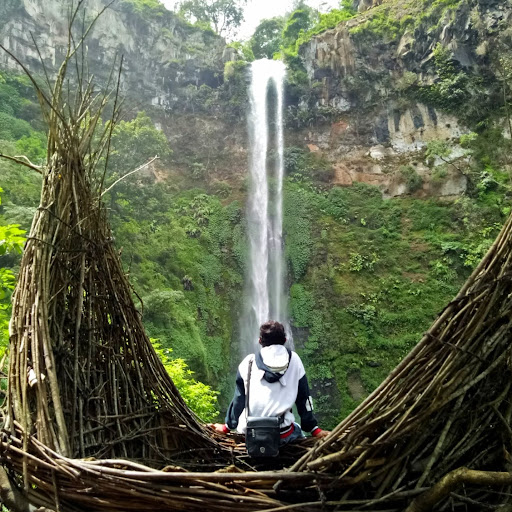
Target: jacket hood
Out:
[274,361]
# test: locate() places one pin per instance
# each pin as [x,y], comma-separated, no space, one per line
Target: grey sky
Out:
[257,10]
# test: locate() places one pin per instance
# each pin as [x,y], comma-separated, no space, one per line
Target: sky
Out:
[258,10]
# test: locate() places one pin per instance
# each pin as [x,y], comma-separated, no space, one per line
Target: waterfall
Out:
[265,297]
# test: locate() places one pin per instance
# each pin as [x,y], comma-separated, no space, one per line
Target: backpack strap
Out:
[248,387]
[281,418]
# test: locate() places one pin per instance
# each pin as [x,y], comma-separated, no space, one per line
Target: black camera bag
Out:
[263,433]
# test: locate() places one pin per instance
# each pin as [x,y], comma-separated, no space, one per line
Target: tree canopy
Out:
[224,16]
[135,142]
[267,38]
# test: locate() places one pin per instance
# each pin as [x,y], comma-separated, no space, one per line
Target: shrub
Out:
[412,179]
[201,398]
[12,128]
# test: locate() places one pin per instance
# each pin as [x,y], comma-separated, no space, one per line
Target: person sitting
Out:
[278,380]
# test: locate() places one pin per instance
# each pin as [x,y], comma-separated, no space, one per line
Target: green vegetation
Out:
[148,9]
[225,16]
[184,251]
[266,40]
[198,396]
[135,142]
[381,25]
[11,242]
[20,133]
[435,12]
[235,87]
[305,22]
[389,21]
[456,91]
[370,275]
[412,179]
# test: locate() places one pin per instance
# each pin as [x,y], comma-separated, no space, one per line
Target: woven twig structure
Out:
[85,381]
[84,377]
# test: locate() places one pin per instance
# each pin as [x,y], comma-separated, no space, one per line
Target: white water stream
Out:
[265,295]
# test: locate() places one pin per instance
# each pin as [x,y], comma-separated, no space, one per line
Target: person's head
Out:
[272,333]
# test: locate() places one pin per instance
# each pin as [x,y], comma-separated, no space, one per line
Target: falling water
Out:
[265,287]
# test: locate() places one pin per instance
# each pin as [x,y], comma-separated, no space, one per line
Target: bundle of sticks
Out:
[84,377]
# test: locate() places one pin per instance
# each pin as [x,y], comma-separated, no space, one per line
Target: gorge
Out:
[395,175]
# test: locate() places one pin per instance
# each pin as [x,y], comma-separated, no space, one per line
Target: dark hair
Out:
[272,333]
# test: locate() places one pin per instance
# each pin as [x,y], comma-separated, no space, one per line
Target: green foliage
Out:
[301,306]
[244,49]
[297,228]
[366,310]
[336,206]
[439,174]
[225,16]
[438,148]
[382,25]
[17,99]
[434,12]
[304,166]
[12,128]
[358,262]
[234,69]
[455,90]
[412,179]
[186,252]
[200,397]
[10,99]
[378,273]
[33,147]
[235,76]
[330,20]
[294,160]
[305,22]
[135,142]
[21,187]
[299,22]
[148,9]
[267,38]
[11,241]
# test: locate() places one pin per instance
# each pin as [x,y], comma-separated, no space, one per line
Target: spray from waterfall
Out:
[265,297]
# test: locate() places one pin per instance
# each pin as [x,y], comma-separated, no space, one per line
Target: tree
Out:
[135,142]
[300,21]
[225,16]
[267,38]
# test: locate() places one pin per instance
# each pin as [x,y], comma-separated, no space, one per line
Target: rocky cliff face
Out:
[370,76]
[373,71]
[162,54]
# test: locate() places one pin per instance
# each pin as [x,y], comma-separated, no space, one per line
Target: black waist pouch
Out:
[262,436]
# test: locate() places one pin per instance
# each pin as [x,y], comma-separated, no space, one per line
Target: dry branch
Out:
[22,160]
[452,481]
[124,176]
